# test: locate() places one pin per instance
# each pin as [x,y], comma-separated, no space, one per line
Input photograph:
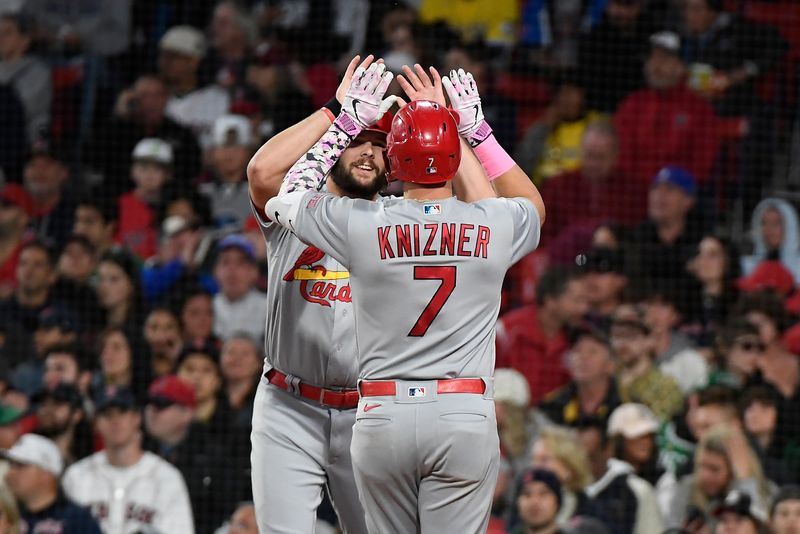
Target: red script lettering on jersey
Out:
[440,239]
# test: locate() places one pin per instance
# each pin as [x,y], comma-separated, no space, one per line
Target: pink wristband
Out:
[494,159]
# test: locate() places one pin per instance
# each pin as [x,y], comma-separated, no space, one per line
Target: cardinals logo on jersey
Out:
[321,291]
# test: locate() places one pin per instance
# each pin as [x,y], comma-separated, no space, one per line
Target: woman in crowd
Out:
[716,268]
[241,362]
[124,362]
[197,318]
[775,234]
[162,331]
[120,291]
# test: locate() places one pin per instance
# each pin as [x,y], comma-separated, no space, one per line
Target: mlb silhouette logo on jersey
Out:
[432,209]
[416,392]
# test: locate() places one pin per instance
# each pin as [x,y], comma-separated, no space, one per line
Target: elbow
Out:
[257,169]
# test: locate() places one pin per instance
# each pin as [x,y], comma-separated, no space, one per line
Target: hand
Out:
[348,74]
[122,108]
[418,86]
[364,103]
[740,454]
[466,101]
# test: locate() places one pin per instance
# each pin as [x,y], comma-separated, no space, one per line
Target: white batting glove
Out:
[465,100]
[363,102]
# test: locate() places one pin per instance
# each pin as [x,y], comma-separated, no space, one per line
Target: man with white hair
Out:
[181,50]
[35,465]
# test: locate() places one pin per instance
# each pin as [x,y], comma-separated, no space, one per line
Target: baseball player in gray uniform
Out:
[305,406]
[426,273]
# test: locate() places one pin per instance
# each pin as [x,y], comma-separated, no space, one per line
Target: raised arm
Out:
[470,183]
[508,178]
[272,161]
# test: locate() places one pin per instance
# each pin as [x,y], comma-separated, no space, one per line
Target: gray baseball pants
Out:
[426,464]
[298,448]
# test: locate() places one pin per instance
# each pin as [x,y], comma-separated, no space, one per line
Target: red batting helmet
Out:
[423,145]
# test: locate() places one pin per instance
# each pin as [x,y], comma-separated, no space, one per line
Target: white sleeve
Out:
[175,508]
[316,218]
[648,516]
[70,482]
[527,226]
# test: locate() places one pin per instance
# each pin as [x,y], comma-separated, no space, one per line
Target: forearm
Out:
[471,183]
[309,172]
[272,161]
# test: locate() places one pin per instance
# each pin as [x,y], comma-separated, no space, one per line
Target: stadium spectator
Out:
[14,216]
[640,381]
[33,475]
[199,367]
[592,390]
[140,112]
[35,279]
[557,449]
[232,36]
[723,462]
[241,362]
[538,502]
[197,317]
[625,502]
[775,231]
[533,339]
[124,362]
[96,219]
[151,172]
[46,180]
[552,145]
[606,281]
[662,246]
[181,50]
[227,191]
[512,399]
[759,407]
[125,487]
[737,516]
[596,192]
[785,511]
[632,428]
[77,261]
[666,123]
[238,306]
[739,348]
[65,364]
[243,520]
[675,355]
[611,53]
[9,512]
[475,57]
[493,22]
[716,267]
[205,464]
[29,76]
[162,332]
[61,417]
[119,290]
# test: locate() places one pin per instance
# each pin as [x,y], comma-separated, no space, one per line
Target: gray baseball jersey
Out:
[310,329]
[427,275]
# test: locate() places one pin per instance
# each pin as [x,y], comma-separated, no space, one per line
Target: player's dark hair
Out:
[553,283]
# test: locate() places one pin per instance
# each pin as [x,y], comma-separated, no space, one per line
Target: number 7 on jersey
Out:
[445,273]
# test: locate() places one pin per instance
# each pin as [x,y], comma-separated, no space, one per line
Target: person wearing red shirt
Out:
[666,123]
[533,339]
[594,194]
[15,207]
[151,170]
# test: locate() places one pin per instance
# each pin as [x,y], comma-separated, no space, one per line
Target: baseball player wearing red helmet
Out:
[305,406]
[426,272]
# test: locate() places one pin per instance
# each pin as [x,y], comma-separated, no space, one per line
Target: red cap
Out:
[171,390]
[15,194]
[768,275]
[423,145]
[791,340]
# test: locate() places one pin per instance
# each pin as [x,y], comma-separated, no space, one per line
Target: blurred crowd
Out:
[648,374]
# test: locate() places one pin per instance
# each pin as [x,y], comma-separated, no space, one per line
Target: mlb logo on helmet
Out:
[432,209]
[416,392]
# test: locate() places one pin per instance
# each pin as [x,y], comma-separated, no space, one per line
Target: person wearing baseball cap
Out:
[62,417]
[239,305]
[46,179]
[232,147]
[538,502]
[35,467]
[151,171]
[736,515]
[632,429]
[151,485]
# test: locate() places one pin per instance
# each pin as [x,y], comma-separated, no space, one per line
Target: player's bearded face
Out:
[360,173]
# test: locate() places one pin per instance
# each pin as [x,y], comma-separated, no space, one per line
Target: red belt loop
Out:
[343,400]
[388,388]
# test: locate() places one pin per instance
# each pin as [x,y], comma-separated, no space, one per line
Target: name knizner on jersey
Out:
[433,239]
